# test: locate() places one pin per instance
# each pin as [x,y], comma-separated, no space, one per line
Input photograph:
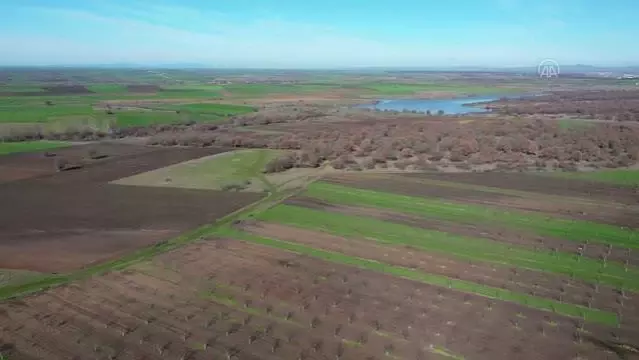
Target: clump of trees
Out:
[419,144]
[619,105]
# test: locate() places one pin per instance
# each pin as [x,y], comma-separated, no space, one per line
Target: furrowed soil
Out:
[228,299]
[552,286]
[59,222]
[36,164]
[614,208]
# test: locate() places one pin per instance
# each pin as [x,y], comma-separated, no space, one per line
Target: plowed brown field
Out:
[228,299]
[58,222]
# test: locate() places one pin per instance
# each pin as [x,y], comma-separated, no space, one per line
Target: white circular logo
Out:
[548,69]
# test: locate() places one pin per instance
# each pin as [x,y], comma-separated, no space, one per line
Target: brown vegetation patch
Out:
[619,105]
[140,88]
[52,90]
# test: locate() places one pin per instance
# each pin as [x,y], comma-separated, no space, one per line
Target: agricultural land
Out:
[209,214]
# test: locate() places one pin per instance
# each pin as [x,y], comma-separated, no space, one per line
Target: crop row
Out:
[574,230]
[597,272]
[588,314]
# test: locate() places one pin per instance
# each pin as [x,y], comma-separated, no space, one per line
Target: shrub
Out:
[235,186]
[435,156]
[280,164]
[338,163]
[368,164]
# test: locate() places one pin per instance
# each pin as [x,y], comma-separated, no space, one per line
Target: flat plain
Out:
[225,218]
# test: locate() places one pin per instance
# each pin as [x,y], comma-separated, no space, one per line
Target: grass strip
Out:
[30,146]
[575,230]
[476,249]
[624,177]
[588,314]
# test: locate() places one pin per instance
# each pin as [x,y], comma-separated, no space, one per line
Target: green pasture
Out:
[239,170]
[409,89]
[29,146]
[209,108]
[625,177]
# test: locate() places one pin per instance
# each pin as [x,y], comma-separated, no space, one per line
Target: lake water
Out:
[449,106]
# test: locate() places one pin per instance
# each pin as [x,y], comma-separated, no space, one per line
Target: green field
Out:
[217,109]
[574,230]
[258,90]
[409,89]
[29,146]
[237,170]
[577,311]
[42,113]
[476,249]
[625,177]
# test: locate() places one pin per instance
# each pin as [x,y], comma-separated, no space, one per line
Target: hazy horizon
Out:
[327,35]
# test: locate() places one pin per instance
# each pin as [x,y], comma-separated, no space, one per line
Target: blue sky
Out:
[319,33]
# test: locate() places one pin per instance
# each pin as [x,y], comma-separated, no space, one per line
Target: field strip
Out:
[518,280]
[31,146]
[574,230]
[576,311]
[501,234]
[463,247]
[511,192]
[240,299]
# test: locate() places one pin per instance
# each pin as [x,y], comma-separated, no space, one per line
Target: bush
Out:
[435,156]
[60,164]
[368,164]
[280,164]
[235,186]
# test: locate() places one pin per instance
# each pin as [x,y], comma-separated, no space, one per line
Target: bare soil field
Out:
[52,90]
[58,228]
[233,300]
[61,221]
[571,203]
[144,89]
[120,161]
[33,164]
